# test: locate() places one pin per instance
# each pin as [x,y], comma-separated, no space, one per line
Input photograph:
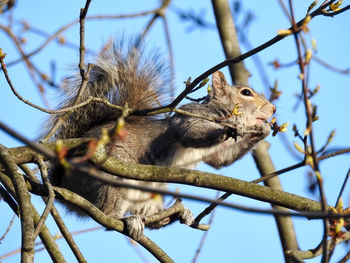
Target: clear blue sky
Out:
[234,236]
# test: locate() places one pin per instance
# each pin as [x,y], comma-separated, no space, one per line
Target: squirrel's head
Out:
[247,105]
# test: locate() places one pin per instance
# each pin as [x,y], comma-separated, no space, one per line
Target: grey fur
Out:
[179,141]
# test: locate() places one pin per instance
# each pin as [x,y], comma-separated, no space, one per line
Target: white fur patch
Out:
[189,157]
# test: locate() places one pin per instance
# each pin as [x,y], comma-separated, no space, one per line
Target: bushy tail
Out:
[126,73]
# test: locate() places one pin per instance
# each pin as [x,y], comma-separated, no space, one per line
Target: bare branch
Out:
[184,176]
[192,86]
[205,234]
[24,204]
[308,112]
[50,199]
[9,200]
[311,253]
[10,224]
[45,235]
[69,25]
[67,235]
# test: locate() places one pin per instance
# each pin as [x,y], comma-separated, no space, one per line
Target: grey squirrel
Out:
[127,74]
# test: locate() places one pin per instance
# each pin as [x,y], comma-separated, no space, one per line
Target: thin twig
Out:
[345,258]
[309,127]
[29,65]
[285,10]
[331,67]
[4,69]
[205,234]
[212,206]
[57,237]
[68,235]
[62,118]
[84,75]
[9,226]
[69,25]
[83,13]
[171,55]
[343,187]
[51,195]
[9,200]
[332,14]
[311,253]
[192,86]
[40,32]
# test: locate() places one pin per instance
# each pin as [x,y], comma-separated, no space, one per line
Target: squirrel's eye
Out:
[246,92]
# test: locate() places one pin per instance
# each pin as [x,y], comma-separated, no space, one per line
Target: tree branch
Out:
[24,204]
[44,234]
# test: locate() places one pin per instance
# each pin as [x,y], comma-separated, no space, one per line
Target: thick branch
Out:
[206,180]
[44,234]
[177,175]
[183,176]
[91,210]
[109,222]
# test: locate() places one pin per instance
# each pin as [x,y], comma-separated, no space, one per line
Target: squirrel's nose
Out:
[273,109]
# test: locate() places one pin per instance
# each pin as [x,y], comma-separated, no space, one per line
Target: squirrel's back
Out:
[125,73]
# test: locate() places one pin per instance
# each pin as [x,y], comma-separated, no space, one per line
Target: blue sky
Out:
[235,235]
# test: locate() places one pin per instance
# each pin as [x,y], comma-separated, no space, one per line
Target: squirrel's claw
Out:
[187,217]
[134,226]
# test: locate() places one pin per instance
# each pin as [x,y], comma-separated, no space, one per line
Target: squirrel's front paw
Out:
[264,129]
[261,129]
[187,217]
[134,226]
[259,132]
[238,131]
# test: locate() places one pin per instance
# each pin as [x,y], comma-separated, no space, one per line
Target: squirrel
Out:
[235,119]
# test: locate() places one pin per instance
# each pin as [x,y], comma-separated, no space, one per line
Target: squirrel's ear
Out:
[219,84]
